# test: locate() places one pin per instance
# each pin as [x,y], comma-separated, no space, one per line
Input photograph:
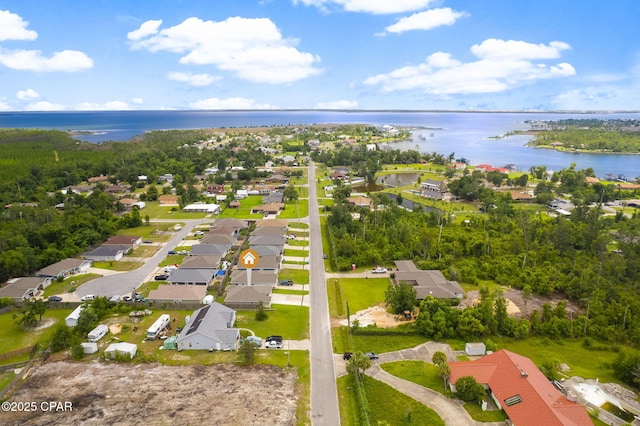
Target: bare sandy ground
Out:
[126,394]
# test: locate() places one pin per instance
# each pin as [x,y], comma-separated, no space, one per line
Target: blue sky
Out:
[325,54]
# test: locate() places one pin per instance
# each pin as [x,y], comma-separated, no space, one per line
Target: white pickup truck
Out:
[379,270]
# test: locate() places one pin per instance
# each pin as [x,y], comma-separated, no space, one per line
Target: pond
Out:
[397,179]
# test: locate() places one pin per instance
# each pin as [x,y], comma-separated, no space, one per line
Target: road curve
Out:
[324,392]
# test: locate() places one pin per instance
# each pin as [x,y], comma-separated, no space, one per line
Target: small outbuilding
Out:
[89,347]
[121,349]
[475,349]
[72,318]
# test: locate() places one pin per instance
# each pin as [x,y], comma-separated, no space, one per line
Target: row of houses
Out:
[114,248]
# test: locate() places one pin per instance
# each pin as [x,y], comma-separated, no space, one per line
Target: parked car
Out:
[127,299]
[347,356]
[148,242]
[55,299]
[274,344]
[291,237]
[115,298]
[285,282]
[324,256]
[273,338]
[161,277]
[87,297]
[172,252]
[371,355]
[379,270]
[257,341]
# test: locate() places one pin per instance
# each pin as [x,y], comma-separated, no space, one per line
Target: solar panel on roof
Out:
[513,400]
[196,322]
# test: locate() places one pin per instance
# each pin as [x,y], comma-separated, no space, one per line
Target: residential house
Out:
[338,175]
[519,388]
[97,179]
[277,179]
[178,294]
[219,239]
[210,328]
[241,194]
[266,263]
[269,250]
[115,189]
[105,254]
[267,209]
[427,282]
[268,231]
[192,276]
[274,223]
[214,188]
[236,224]
[363,202]
[126,242]
[210,250]
[64,268]
[199,262]
[258,277]
[266,240]
[202,208]
[435,189]
[273,197]
[248,297]
[130,203]
[24,288]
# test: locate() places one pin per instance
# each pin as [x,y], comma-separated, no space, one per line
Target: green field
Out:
[360,293]
[298,276]
[290,322]
[296,253]
[13,337]
[295,210]
[345,342]
[69,285]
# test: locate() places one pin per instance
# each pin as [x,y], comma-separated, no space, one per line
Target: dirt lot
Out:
[123,394]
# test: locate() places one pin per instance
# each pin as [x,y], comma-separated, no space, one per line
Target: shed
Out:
[171,343]
[89,347]
[119,349]
[72,318]
[475,348]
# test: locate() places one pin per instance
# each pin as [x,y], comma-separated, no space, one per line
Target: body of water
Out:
[467,134]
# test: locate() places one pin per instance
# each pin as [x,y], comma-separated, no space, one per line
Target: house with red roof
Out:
[518,387]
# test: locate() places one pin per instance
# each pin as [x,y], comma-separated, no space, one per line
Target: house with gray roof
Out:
[266,240]
[219,239]
[210,250]
[258,277]
[268,263]
[210,328]
[195,276]
[427,282]
[178,294]
[64,268]
[226,222]
[200,262]
[273,197]
[269,250]
[23,288]
[268,231]
[248,297]
[105,254]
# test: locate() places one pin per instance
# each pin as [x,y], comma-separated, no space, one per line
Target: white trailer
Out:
[98,333]
[72,319]
[157,327]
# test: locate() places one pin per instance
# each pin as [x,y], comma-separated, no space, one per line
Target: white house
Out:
[202,208]
[121,349]
[241,194]
[209,328]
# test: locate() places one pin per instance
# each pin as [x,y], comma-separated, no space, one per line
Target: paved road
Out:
[125,282]
[324,392]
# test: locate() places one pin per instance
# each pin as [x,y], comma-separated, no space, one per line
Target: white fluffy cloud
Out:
[13,27]
[251,49]
[43,106]
[369,6]
[106,106]
[193,79]
[33,60]
[341,104]
[27,95]
[4,106]
[146,29]
[494,71]
[229,103]
[426,20]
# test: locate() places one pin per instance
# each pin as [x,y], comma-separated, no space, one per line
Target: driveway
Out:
[289,299]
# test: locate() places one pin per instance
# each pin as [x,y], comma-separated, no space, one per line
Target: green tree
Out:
[30,313]
[358,363]
[444,371]
[247,351]
[290,193]
[468,389]
[261,314]
[62,338]
[439,357]
[401,297]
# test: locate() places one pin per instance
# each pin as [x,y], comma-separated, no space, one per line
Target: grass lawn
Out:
[290,322]
[426,374]
[360,293]
[13,337]
[298,243]
[244,211]
[69,285]
[343,342]
[122,265]
[296,253]
[298,276]
[385,405]
[294,209]
[298,225]
[294,262]
[280,290]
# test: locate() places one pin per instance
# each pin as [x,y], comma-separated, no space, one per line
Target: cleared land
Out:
[153,394]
